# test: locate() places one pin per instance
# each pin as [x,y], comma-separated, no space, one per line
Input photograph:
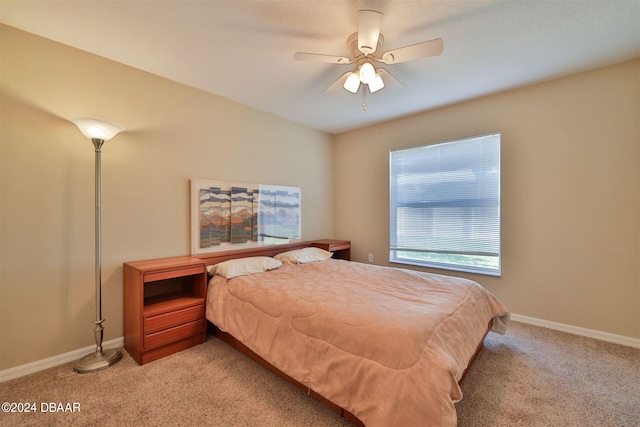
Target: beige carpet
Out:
[530,377]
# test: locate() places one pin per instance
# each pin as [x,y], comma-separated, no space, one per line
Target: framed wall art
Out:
[226,215]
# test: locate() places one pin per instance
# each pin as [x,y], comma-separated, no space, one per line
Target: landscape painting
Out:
[228,215]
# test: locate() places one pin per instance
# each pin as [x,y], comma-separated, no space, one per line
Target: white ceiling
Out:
[243,50]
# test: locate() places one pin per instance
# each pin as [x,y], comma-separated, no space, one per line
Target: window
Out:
[445,205]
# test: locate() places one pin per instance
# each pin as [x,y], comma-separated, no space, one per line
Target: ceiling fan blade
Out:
[389,79]
[369,24]
[318,57]
[414,51]
[338,84]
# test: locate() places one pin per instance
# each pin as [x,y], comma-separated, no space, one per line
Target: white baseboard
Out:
[50,362]
[576,330]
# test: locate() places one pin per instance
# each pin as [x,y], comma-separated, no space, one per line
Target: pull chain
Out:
[364,98]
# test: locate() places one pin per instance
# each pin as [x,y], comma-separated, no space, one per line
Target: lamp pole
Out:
[97,143]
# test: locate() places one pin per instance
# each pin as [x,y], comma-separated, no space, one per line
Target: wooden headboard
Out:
[270,251]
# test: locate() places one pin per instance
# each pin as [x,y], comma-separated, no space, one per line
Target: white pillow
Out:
[243,266]
[302,256]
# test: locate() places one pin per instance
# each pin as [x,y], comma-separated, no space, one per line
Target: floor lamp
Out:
[98,131]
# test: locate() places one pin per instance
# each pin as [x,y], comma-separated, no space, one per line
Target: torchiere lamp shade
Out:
[94,128]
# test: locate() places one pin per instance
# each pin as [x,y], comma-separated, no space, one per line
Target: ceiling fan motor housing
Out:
[352,44]
[369,23]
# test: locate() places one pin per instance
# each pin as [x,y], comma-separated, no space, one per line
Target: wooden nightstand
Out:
[341,248]
[164,304]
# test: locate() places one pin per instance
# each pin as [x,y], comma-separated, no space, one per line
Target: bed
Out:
[384,346]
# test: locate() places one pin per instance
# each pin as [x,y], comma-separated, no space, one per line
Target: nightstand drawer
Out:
[173,318]
[176,333]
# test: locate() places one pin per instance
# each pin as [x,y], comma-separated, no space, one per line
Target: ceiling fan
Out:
[364,46]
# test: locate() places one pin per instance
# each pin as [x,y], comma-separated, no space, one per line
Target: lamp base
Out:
[95,361]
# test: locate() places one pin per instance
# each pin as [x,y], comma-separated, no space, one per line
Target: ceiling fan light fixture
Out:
[376,84]
[352,83]
[367,72]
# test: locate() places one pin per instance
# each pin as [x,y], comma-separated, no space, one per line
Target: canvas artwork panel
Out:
[225,215]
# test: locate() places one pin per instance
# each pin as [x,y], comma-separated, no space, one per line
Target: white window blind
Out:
[445,205]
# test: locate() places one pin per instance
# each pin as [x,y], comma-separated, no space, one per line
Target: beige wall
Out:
[571,187]
[47,175]
[570,191]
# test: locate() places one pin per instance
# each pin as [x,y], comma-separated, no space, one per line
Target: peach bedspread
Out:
[389,345]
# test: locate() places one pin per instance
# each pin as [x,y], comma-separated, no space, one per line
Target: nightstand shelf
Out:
[164,304]
[341,248]
[172,301]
